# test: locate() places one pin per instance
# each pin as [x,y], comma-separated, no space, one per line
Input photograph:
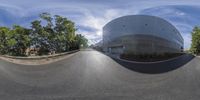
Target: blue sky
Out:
[91,15]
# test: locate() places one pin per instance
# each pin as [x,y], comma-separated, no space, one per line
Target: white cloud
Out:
[187,41]
[183,17]
[95,14]
[97,22]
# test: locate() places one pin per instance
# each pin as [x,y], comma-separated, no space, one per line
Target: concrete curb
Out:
[39,57]
[38,60]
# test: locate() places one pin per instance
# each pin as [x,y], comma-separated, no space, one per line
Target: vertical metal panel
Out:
[169,39]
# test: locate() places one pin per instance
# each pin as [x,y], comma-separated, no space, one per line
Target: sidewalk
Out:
[37,60]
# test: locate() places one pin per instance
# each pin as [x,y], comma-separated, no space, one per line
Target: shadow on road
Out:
[156,68]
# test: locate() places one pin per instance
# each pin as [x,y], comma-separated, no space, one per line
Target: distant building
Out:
[32,51]
[141,34]
[98,46]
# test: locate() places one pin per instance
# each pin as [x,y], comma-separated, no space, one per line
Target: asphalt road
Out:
[91,75]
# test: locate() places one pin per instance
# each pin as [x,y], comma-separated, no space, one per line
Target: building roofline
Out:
[146,16]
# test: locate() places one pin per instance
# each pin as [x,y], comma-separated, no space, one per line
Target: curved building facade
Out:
[141,34]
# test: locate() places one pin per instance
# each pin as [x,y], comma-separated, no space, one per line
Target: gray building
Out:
[141,34]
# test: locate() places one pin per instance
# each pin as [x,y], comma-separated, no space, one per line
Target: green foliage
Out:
[195,47]
[58,36]
[4,33]
[18,40]
[81,41]
[65,33]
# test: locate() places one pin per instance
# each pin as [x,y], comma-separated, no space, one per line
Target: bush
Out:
[195,46]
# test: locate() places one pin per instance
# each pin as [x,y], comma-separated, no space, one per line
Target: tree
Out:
[65,33]
[48,29]
[47,17]
[81,41]
[58,36]
[39,37]
[35,33]
[3,38]
[18,40]
[195,46]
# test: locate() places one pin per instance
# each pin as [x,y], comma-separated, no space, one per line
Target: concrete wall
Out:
[37,60]
[141,34]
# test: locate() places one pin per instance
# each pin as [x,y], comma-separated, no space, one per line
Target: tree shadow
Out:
[156,68]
